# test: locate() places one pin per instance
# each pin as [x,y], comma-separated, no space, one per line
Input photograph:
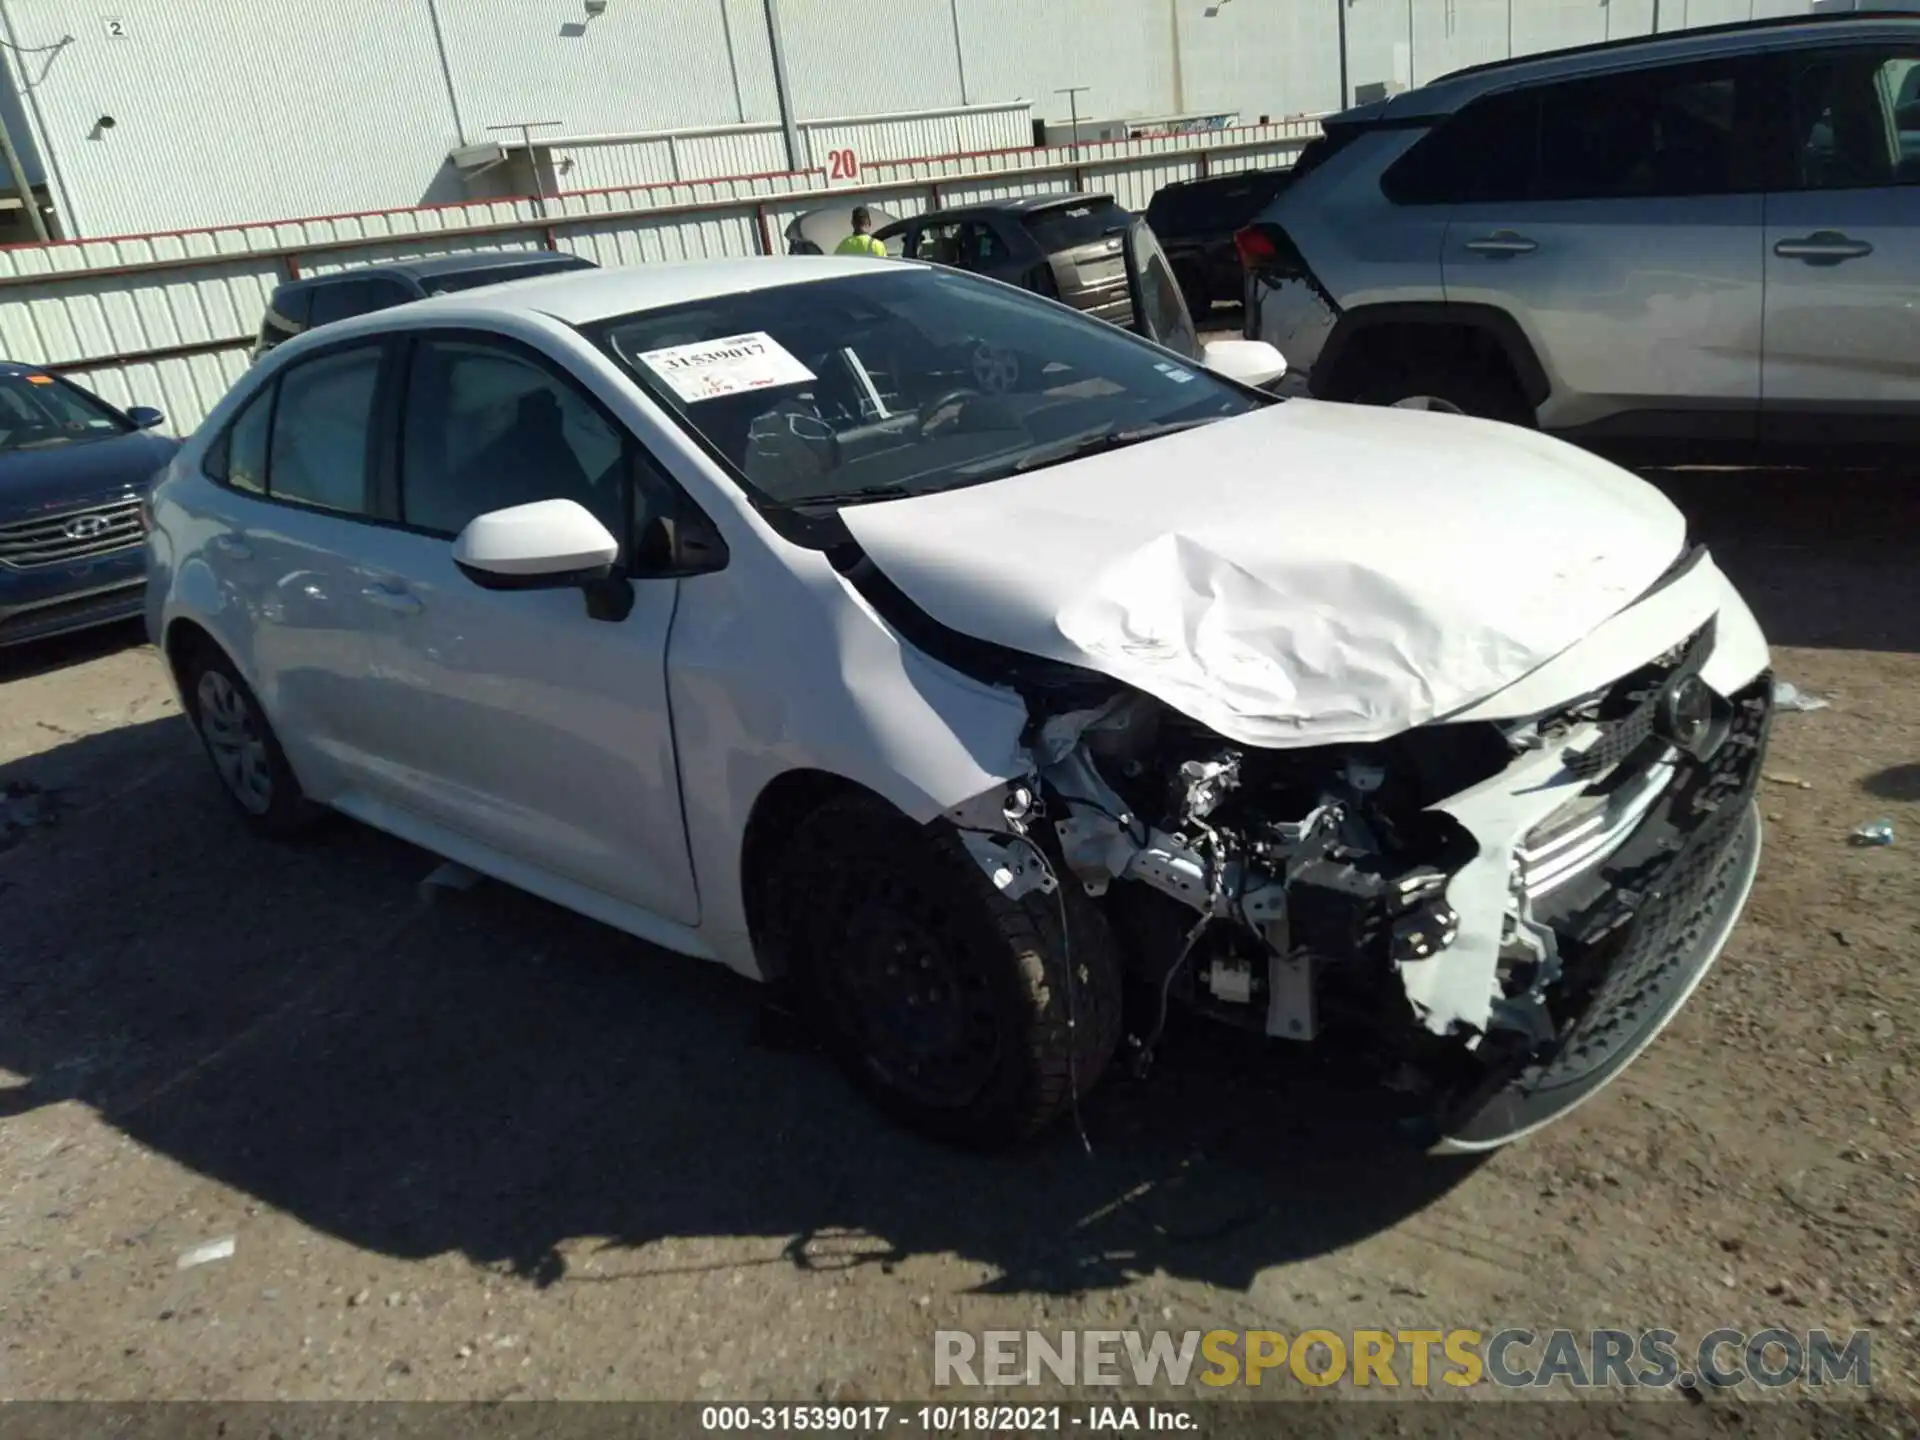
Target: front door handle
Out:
[398,601]
[233,547]
[1501,244]
[1823,247]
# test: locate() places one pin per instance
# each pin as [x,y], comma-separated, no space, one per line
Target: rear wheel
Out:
[241,744]
[969,1016]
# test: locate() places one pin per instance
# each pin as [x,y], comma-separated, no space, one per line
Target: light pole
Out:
[1073,94]
[781,90]
[1340,7]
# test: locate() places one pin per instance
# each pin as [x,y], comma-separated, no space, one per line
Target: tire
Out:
[243,749]
[949,1004]
[1454,386]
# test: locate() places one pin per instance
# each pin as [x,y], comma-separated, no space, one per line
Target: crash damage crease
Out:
[1277,888]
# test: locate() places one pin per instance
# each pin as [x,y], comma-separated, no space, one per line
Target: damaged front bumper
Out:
[1543,924]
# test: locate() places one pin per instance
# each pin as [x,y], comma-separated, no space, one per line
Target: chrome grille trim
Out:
[71,535]
[1589,828]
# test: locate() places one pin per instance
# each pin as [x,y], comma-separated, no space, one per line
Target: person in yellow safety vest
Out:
[861,242]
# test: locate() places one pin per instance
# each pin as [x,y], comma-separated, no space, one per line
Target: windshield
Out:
[1062,227]
[496,275]
[903,382]
[38,412]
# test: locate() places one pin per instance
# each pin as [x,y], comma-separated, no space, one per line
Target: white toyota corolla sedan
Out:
[954,658]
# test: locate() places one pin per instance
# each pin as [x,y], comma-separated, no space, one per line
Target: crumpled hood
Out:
[1306,574]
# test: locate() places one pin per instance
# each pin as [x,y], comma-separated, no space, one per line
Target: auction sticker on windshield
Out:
[712,369]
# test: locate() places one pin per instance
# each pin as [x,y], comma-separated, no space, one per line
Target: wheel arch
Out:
[783,802]
[1361,335]
[184,639]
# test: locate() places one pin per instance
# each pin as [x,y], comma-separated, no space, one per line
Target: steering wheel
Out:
[959,395]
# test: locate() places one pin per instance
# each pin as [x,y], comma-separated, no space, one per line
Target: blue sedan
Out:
[74,473]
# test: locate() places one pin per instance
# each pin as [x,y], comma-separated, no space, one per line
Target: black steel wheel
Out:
[967,1015]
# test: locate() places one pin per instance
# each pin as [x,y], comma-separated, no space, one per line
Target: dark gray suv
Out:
[299,305]
[1066,247]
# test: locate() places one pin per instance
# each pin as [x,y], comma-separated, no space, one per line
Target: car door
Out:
[1158,306]
[515,718]
[297,497]
[1842,251]
[1618,219]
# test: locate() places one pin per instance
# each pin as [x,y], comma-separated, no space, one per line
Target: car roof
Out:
[1449,92]
[20,367]
[436,265]
[1209,182]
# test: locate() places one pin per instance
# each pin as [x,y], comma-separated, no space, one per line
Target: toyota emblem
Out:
[85,527]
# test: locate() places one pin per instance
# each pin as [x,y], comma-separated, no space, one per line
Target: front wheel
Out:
[971,1017]
[246,754]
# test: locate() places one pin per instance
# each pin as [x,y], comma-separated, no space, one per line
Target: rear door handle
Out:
[233,547]
[1502,243]
[1823,247]
[388,598]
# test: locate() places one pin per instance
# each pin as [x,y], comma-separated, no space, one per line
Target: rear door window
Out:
[1676,130]
[322,428]
[1065,227]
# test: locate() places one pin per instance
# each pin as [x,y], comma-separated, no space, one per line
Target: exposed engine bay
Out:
[1290,891]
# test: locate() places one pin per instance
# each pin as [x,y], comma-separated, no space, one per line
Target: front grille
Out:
[1595,900]
[1590,827]
[71,535]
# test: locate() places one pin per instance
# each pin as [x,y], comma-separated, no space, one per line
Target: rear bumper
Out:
[1293,317]
[56,599]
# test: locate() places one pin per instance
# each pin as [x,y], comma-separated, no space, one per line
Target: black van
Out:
[1195,221]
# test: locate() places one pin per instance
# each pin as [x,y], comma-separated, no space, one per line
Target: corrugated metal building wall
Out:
[238,110]
[170,319]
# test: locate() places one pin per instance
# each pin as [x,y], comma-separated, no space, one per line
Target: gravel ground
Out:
[476,1148]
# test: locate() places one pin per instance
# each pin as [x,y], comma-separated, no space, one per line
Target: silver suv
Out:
[1701,238]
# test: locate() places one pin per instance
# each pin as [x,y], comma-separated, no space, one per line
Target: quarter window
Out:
[241,453]
[486,430]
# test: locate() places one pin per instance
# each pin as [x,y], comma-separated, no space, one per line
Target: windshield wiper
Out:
[843,497]
[1106,440]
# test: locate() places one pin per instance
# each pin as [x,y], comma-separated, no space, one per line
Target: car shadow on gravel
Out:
[1823,557]
[482,1073]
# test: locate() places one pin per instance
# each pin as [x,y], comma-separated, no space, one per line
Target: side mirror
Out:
[548,545]
[145,417]
[1251,362]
